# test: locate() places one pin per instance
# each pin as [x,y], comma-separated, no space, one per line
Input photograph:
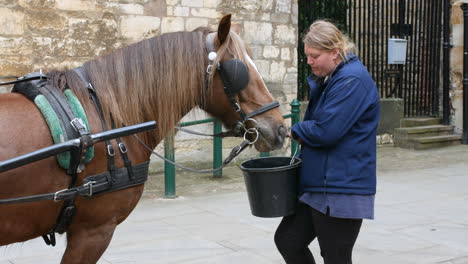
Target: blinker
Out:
[235,75]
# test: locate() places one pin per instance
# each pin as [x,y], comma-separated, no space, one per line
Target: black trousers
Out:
[336,236]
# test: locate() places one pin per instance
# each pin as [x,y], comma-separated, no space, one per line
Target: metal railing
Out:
[169,169]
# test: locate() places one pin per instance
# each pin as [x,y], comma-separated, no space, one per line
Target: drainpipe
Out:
[446,65]
[464,6]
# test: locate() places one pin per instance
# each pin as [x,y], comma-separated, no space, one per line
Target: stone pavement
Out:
[421,217]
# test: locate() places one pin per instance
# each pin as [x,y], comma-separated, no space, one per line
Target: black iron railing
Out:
[369,24]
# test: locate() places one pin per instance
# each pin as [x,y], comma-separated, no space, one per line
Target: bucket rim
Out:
[297,163]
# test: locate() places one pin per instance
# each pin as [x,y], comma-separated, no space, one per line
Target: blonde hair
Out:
[325,35]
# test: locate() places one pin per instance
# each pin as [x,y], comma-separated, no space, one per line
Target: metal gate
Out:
[369,24]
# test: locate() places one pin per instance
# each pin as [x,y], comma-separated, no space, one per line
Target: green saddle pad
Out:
[56,128]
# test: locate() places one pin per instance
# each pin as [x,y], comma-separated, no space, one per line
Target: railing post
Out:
[169,169]
[217,150]
[464,6]
[295,118]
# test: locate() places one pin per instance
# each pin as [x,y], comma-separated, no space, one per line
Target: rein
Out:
[234,152]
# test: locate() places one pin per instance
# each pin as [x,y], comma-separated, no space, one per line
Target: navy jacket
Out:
[339,132]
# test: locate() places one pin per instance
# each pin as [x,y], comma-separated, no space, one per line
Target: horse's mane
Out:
[162,77]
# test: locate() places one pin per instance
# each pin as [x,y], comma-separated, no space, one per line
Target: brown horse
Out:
[160,79]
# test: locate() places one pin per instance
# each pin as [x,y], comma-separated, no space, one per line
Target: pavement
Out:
[421,217]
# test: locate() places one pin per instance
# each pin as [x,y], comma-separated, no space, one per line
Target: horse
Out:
[160,78]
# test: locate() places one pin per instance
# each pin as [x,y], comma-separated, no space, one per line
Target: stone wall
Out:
[58,34]
[46,34]
[456,66]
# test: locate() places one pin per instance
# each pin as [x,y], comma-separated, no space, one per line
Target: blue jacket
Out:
[339,132]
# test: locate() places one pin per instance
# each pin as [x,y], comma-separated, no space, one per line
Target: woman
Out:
[338,149]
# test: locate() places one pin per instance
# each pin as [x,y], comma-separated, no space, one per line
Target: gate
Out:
[369,24]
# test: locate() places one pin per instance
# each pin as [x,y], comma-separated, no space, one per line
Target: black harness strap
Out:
[110,149]
[92,186]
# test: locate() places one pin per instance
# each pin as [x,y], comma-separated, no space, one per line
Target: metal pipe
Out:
[169,169]
[55,149]
[464,6]
[217,149]
[446,65]
[296,112]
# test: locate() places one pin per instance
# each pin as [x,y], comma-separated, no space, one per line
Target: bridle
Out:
[235,77]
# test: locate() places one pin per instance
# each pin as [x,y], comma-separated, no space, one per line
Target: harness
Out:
[37,85]
[235,77]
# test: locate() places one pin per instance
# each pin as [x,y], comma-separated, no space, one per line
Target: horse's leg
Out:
[86,245]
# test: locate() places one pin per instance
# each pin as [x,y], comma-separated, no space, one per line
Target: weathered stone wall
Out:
[46,34]
[456,66]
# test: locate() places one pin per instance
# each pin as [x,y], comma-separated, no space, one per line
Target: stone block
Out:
[172,2]
[263,67]
[290,78]
[14,46]
[211,3]
[192,23]
[181,11]
[42,46]
[295,13]
[277,71]
[158,8]
[192,3]
[258,33]
[283,6]
[285,35]
[205,12]
[456,16]
[282,18]
[456,59]
[12,22]
[172,24]
[256,51]
[37,4]
[285,54]
[294,58]
[46,23]
[170,11]
[266,17]
[131,9]
[15,65]
[139,27]
[76,5]
[271,52]
[457,35]
[391,112]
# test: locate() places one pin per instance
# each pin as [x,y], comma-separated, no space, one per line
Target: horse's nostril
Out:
[282,131]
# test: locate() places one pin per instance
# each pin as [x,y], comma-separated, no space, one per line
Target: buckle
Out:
[78,125]
[110,150]
[123,148]
[57,193]
[237,107]
[90,184]
[208,69]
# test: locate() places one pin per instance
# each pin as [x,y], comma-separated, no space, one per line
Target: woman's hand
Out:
[289,135]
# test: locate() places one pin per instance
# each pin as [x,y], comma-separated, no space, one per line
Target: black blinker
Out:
[236,74]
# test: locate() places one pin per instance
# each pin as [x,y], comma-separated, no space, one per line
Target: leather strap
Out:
[92,185]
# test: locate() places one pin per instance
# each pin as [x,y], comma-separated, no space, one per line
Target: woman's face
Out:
[322,62]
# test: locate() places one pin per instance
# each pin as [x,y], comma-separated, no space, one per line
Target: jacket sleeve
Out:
[343,106]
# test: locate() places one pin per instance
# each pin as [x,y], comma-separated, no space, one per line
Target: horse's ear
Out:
[223,28]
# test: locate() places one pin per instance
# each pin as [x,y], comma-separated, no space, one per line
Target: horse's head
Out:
[238,95]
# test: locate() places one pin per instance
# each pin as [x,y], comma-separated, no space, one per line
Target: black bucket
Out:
[271,185]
